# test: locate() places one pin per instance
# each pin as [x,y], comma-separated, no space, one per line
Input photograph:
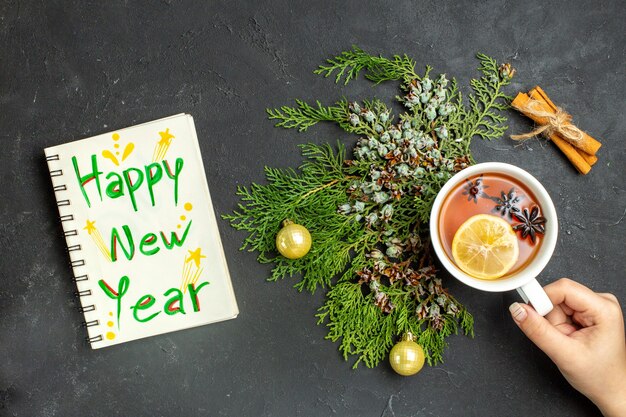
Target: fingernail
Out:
[518,312]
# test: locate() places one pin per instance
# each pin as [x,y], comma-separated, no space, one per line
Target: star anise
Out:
[531,223]
[507,203]
[474,189]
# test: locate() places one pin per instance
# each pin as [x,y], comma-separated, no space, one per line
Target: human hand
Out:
[584,337]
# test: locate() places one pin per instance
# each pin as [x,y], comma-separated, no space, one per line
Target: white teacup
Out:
[524,280]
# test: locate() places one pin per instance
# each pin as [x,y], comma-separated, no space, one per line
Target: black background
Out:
[70,70]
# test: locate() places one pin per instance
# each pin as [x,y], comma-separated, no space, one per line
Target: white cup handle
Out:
[534,294]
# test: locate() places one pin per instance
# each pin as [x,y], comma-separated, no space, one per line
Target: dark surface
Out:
[71,70]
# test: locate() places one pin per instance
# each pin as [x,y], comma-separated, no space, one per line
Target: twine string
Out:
[557,122]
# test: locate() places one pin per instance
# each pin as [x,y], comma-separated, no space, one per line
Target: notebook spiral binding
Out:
[73,250]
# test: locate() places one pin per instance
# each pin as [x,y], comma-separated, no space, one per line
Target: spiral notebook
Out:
[141,232]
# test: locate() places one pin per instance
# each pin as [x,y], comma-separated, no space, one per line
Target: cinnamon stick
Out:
[591,159]
[588,144]
[520,102]
[538,91]
[577,158]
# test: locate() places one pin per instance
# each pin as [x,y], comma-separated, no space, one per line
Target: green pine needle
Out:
[349,64]
[304,115]
[368,210]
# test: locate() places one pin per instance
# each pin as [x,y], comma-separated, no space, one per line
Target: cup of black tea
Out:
[494,227]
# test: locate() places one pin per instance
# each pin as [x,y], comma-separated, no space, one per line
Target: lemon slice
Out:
[485,247]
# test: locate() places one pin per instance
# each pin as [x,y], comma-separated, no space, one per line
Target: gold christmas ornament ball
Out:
[293,241]
[407,357]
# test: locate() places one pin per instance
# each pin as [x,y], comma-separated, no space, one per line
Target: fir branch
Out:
[310,198]
[349,64]
[304,115]
[368,216]
[467,322]
[483,119]
[356,323]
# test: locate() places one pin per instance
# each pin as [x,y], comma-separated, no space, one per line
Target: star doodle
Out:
[166,137]
[90,226]
[195,256]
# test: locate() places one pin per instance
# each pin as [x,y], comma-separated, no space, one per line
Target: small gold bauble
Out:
[407,357]
[293,241]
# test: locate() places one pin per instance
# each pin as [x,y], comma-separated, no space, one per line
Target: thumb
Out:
[540,331]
